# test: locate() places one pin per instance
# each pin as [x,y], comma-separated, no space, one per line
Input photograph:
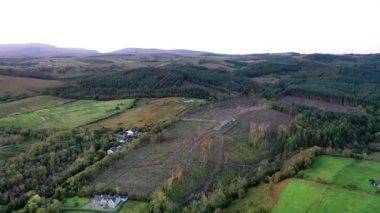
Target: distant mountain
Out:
[41,50]
[143,51]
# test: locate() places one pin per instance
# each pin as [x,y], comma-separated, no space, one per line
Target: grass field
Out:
[344,171]
[308,196]
[76,201]
[20,85]
[259,199]
[68,115]
[30,104]
[147,112]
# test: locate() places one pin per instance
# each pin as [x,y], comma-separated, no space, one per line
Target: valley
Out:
[223,133]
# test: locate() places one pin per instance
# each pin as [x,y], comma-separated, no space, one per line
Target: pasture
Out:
[13,86]
[308,196]
[30,104]
[344,171]
[147,112]
[70,115]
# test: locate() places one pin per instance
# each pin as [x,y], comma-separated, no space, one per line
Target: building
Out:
[108,201]
[376,183]
[113,150]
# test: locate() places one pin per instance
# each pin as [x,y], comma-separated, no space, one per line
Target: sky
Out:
[221,26]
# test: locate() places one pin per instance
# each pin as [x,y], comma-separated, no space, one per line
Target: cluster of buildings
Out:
[124,138]
[108,201]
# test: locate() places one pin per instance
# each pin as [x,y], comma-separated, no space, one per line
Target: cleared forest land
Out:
[11,85]
[322,105]
[199,147]
[144,169]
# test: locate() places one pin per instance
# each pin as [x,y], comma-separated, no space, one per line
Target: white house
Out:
[108,201]
[113,202]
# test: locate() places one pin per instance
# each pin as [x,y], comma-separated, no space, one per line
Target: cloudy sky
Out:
[223,26]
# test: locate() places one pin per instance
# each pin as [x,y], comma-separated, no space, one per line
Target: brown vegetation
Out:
[10,85]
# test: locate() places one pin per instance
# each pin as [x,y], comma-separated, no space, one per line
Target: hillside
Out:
[41,50]
[209,133]
[147,51]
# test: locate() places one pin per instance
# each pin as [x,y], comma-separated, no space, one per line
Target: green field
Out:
[344,171]
[147,112]
[70,115]
[308,196]
[30,104]
[76,201]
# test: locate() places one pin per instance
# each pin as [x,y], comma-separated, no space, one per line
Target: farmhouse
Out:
[376,183]
[108,201]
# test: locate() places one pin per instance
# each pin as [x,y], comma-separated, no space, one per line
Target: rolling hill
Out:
[144,51]
[41,50]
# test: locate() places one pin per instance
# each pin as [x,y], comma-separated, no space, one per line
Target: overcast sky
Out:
[234,26]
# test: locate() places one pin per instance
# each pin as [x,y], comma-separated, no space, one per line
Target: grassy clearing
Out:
[76,201]
[307,196]
[345,171]
[30,104]
[68,115]
[146,113]
[19,85]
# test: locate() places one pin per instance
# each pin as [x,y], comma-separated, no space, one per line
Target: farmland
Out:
[14,86]
[68,115]
[30,104]
[345,171]
[307,196]
[147,112]
[332,184]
